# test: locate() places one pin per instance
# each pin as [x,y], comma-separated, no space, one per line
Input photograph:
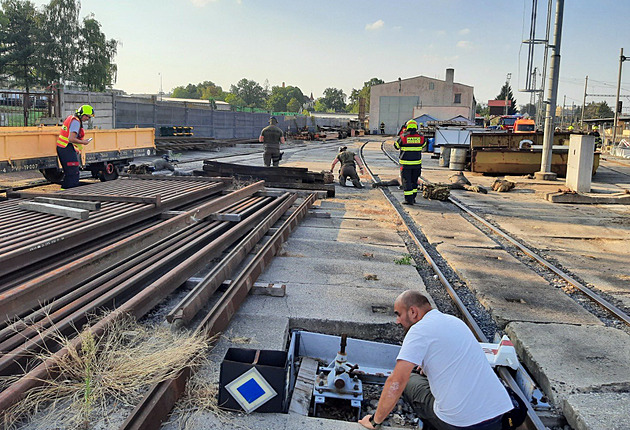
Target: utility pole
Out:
[563,116]
[507,91]
[545,172]
[583,105]
[617,109]
[161,92]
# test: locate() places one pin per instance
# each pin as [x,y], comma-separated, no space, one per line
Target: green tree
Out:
[190,91]
[61,31]
[321,107]
[235,100]
[281,96]
[97,70]
[19,42]
[333,100]
[482,110]
[211,91]
[507,90]
[355,95]
[250,92]
[597,110]
[294,105]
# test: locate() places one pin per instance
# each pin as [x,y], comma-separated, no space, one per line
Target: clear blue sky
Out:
[323,43]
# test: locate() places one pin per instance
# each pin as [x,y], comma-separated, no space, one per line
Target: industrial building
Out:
[395,102]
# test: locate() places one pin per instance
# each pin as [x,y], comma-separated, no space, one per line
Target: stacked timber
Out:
[275,177]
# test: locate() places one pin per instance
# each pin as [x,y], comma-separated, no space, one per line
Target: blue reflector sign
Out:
[251,390]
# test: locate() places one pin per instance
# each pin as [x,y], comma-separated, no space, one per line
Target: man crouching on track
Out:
[349,161]
[457,389]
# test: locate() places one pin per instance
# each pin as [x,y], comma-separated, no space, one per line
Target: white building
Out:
[394,103]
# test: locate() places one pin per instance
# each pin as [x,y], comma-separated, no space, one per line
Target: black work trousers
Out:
[70,164]
[409,176]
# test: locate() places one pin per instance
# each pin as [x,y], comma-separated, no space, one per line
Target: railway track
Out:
[430,255]
[500,236]
[130,269]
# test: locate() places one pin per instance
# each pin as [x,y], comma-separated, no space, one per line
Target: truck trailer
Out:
[34,148]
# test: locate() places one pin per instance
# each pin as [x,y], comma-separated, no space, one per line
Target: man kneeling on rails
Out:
[457,388]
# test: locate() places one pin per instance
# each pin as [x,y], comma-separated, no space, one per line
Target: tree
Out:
[334,100]
[482,109]
[235,101]
[61,31]
[281,96]
[506,89]
[294,105]
[19,42]
[355,95]
[250,92]
[597,110]
[97,70]
[206,90]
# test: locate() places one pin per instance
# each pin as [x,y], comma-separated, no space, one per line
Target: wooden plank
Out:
[155,200]
[304,383]
[79,204]
[47,208]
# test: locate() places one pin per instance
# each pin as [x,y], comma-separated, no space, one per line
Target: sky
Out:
[319,44]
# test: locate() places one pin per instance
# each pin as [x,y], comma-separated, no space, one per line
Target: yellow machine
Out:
[34,148]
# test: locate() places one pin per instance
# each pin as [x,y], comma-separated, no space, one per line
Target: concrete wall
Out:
[103,104]
[436,98]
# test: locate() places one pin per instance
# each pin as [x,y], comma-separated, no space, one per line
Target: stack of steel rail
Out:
[125,259]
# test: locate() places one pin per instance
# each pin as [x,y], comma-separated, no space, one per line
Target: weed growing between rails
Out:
[104,374]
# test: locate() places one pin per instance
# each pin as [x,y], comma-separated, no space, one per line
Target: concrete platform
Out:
[512,291]
[359,237]
[598,411]
[340,251]
[328,271]
[567,359]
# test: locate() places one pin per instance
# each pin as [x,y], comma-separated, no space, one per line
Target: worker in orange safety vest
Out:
[70,142]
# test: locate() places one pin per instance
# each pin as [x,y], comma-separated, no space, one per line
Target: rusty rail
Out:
[158,402]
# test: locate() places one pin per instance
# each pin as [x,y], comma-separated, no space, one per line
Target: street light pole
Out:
[161,92]
[617,110]
[507,91]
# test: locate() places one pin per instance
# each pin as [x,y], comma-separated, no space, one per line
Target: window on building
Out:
[431,85]
[458,98]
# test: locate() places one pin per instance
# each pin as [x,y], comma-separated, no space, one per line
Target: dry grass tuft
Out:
[105,373]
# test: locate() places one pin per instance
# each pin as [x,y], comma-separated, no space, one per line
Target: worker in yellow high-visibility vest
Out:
[410,143]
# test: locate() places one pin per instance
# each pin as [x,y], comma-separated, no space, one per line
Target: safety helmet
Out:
[412,124]
[595,127]
[342,148]
[570,128]
[85,110]
[273,120]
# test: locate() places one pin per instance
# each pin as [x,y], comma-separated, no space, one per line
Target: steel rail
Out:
[104,294]
[599,300]
[137,305]
[184,311]
[25,297]
[43,249]
[533,420]
[158,402]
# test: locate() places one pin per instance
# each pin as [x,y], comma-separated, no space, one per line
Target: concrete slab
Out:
[353,223]
[598,411]
[568,359]
[328,271]
[362,313]
[359,237]
[589,199]
[512,291]
[339,250]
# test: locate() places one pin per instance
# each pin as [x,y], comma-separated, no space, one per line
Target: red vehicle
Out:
[506,122]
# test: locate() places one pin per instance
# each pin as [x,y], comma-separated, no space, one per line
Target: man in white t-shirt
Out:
[460,389]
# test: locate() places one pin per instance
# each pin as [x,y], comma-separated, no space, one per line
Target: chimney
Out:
[283,85]
[450,75]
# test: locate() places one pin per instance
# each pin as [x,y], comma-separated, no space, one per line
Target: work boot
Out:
[342,182]
[407,202]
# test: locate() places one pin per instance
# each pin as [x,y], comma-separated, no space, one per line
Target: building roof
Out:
[501,103]
[423,77]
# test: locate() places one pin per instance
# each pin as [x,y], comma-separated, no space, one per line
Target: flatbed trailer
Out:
[34,148]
